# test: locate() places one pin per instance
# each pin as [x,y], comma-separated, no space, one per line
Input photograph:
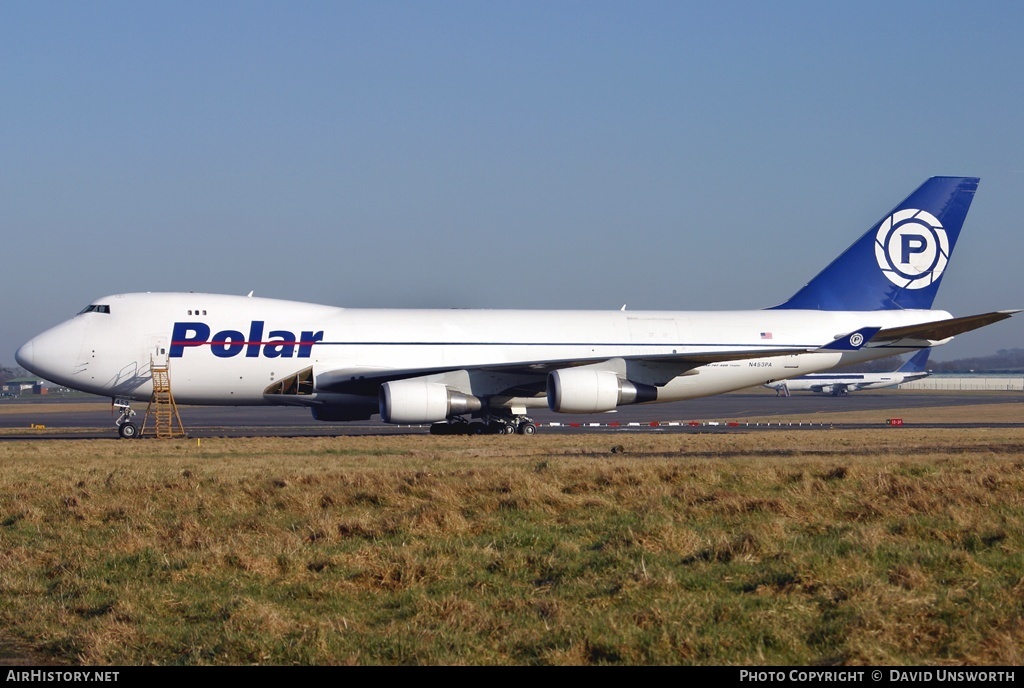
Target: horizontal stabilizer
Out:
[940,329]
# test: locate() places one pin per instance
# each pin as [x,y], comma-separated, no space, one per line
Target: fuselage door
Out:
[157,350]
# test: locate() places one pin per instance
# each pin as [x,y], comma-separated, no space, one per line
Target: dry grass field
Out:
[890,546]
[988,413]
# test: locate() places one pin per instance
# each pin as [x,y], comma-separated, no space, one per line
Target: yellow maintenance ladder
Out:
[162,406]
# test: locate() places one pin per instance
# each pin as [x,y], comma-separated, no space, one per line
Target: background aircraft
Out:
[841,384]
[447,366]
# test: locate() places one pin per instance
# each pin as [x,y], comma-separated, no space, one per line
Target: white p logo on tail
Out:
[912,249]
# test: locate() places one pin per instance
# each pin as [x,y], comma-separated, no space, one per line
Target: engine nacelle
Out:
[420,401]
[574,390]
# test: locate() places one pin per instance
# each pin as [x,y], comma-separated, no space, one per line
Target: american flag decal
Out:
[766,335]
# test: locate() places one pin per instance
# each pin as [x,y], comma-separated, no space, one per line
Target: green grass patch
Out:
[847,548]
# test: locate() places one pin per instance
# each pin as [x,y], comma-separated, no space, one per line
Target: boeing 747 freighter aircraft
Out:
[841,384]
[445,367]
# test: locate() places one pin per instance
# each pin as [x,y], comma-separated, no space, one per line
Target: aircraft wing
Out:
[529,376]
[652,368]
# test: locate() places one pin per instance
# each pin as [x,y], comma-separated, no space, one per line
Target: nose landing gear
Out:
[126,429]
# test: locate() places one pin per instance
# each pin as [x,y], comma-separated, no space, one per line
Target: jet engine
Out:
[574,390]
[420,401]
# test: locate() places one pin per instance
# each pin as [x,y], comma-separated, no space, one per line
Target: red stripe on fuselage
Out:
[276,342]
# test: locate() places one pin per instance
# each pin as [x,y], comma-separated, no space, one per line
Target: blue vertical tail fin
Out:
[899,262]
[916,363]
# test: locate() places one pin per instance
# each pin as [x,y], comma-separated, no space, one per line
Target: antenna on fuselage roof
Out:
[249,295]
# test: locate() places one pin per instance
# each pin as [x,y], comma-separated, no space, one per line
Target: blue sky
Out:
[665,155]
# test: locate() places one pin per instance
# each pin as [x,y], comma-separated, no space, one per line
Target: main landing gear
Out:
[125,427]
[489,425]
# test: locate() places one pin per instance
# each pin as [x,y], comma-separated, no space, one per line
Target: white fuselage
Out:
[224,349]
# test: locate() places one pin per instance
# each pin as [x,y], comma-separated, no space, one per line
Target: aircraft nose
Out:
[53,354]
[25,355]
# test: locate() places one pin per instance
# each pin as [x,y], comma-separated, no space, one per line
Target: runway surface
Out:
[65,419]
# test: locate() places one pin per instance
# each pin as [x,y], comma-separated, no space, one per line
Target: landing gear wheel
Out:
[508,429]
[128,431]
[527,429]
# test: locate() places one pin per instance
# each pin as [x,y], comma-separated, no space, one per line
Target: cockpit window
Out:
[95,309]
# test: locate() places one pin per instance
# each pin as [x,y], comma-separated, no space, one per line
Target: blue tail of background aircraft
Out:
[917,362]
[899,262]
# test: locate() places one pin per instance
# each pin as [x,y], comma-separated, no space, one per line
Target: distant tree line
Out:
[1003,361]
